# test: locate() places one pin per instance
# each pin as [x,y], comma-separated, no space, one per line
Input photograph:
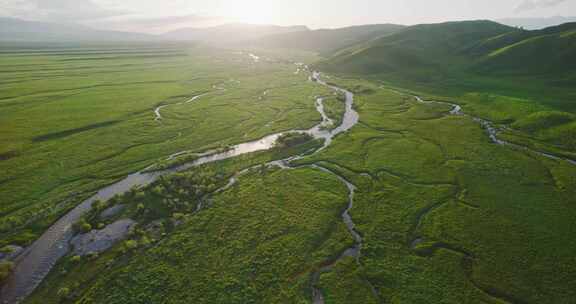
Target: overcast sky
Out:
[314,13]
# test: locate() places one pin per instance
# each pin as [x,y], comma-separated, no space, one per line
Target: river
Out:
[34,264]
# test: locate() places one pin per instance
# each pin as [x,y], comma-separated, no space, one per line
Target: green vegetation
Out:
[334,107]
[327,41]
[496,72]
[293,139]
[75,119]
[5,270]
[445,215]
[265,235]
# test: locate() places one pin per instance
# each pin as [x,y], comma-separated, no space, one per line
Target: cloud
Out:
[528,5]
[56,10]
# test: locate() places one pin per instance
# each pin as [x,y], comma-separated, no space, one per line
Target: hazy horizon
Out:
[159,16]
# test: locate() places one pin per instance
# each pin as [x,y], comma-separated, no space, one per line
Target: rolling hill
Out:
[547,51]
[428,48]
[501,73]
[328,40]
[483,47]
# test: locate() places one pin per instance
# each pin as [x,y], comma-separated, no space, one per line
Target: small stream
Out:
[493,131]
[157,111]
[32,266]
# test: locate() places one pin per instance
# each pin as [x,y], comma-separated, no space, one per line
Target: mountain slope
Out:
[12,29]
[551,50]
[230,32]
[327,40]
[420,48]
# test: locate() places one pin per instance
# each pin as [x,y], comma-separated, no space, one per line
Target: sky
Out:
[157,15]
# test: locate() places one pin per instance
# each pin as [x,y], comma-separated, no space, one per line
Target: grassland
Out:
[257,242]
[446,216]
[76,118]
[496,72]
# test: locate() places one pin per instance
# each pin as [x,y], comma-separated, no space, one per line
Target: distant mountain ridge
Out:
[327,40]
[234,32]
[12,29]
[17,30]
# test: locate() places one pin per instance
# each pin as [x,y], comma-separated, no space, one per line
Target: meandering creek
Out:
[493,131]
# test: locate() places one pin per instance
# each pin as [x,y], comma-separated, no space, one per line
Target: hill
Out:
[12,29]
[227,33]
[422,48]
[481,47]
[497,72]
[328,40]
[547,51]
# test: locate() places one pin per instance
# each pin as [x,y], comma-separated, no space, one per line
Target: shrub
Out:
[292,139]
[85,227]
[543,120]
[64,293]
[178,216]
[130,245]
[5,270]
[98,206]
[7,249]
[75,259]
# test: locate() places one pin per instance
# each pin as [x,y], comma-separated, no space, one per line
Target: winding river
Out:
[34,264]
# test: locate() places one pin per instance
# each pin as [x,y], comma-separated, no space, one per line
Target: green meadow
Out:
[75,119]
[446,216]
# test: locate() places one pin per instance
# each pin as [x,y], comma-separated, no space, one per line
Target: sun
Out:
[248,11]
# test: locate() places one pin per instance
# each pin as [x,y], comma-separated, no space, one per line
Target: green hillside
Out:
[433,51]
[429,48]
[496,72]
[328,40]
[545,51]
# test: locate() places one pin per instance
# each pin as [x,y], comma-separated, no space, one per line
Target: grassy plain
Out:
[76,118]
[256,242]
[446,216]
[449,217]
[494,71]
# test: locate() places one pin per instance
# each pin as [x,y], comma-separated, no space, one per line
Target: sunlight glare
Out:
[248,11]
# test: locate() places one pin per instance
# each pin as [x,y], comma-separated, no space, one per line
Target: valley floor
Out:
[443,213]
